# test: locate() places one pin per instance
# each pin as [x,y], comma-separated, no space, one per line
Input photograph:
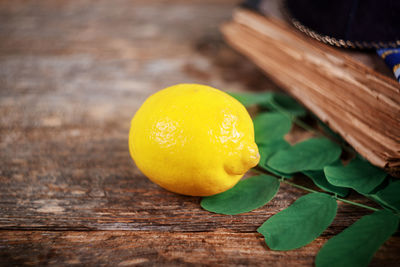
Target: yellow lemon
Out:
[193,139]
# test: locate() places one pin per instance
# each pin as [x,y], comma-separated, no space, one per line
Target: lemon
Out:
[193,139]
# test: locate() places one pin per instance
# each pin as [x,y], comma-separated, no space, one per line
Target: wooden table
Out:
[72,74]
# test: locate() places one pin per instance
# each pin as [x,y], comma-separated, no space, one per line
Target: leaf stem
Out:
[335,196]
[300,186]
[284,180]
[356,204]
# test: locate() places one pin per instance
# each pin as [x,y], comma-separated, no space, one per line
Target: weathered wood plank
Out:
[74,192]
[125,248]
[72,74]
[89,182]
[71,77]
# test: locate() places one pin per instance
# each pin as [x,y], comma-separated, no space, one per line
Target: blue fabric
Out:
[392,59]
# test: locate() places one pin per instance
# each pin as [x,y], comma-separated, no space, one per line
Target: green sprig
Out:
[311,214]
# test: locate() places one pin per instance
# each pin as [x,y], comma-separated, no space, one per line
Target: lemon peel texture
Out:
[193,139]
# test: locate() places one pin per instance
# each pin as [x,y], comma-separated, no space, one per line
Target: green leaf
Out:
[319,179]
[383,204]
[247,195]
[269,126]
[357,244]
[278,173]
[284,103]
[267,150]
[389,196]
[312,154]
[359,175]
[250,99]
[300,223]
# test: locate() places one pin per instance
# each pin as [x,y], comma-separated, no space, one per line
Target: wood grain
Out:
[72,74]
[125,248]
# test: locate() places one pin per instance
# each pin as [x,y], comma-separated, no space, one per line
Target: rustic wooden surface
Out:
[72,74]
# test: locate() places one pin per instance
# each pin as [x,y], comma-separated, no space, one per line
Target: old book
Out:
[352,96]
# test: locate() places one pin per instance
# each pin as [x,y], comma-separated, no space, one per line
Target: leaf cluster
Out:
[317,158]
